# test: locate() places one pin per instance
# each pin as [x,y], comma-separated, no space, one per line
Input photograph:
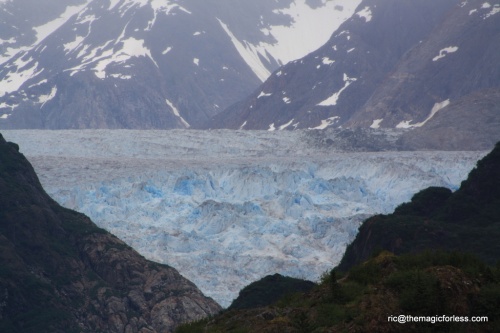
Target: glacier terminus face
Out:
[226,208]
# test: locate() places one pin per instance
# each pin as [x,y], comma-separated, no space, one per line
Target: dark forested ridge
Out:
[268,290]
[467,220]
[59,272]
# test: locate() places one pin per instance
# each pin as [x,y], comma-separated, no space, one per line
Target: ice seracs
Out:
[235,205]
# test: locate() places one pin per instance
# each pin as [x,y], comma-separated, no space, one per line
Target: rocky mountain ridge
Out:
[393,64]
[157,63]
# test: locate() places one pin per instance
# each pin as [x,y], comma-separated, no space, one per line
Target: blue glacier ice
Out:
[227,207]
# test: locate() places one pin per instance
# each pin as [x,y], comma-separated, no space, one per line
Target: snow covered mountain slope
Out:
[394,64]
[158,63]
[228,207]
[25,23]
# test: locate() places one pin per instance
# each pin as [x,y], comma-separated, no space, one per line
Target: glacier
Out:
[224,207]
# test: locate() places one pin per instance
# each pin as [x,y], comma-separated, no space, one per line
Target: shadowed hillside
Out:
[61,273]
[467,220]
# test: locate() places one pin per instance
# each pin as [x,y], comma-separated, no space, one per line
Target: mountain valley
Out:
[235,205]
[189,157]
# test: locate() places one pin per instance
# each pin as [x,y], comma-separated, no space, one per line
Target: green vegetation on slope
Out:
[269,290]
[426,284]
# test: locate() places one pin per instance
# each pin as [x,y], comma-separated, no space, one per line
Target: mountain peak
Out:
[114,65]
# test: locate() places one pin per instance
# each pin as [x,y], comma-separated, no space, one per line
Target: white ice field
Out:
[228,207]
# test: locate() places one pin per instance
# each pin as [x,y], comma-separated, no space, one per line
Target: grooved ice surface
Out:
[228,207]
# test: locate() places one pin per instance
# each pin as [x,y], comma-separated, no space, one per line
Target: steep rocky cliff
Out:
[430,67]
[61,273]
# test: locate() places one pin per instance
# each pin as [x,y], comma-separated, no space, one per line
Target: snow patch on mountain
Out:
[332,100]
[163,6]
[365,13]
[168,49]
[45,98]
[326,122]
[46,29]
[327,61]
[493,11]
[437,107]
[131,47]
[25,70]
[243,125]
[263,94]
[376,123]
[113,3]
[444,52]
[71,46]
[311,26]
[249,54]
[312,29]
[177,113]
[284,126]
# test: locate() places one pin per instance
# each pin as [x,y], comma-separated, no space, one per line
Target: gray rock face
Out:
[328,86]
[394,64]
[470,123]
[458,58]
